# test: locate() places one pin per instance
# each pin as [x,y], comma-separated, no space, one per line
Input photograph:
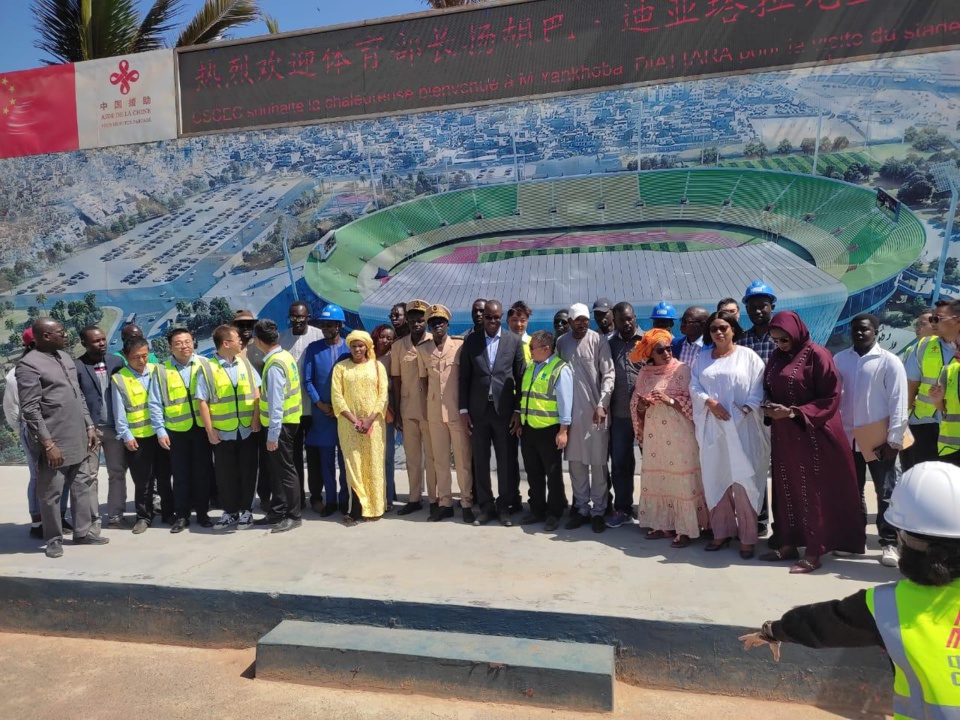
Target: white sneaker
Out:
[246,519]
[225,521]
[890,556]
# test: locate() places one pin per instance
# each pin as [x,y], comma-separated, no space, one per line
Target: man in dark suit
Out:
[95,368]
[491,369]
[60,430]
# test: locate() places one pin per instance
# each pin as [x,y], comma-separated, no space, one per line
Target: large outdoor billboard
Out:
[680,191]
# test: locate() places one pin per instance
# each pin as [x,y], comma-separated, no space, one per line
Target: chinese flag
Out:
[38,111]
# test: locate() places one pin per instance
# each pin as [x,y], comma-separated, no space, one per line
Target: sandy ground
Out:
[49,678]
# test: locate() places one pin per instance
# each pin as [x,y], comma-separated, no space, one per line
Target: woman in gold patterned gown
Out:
[359,398]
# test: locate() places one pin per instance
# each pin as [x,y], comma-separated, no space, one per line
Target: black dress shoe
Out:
[205,522]
[180,525]
[287,524]
[516,507]
[268,520]
[91,539]
[441,514]
[484,518]
[434,507]
[599,524]
[468,516]
[328,510]
[531,519]
[576,521]
[410,507]
[551,524]
[36,531]
[505,519]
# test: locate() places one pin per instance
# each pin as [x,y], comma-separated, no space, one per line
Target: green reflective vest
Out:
[949,440]
[930,359]
[135,400]
[230,406]
[292,404]
[181,410]
[920,627]
[538,395]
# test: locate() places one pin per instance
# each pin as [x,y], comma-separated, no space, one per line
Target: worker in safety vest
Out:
[227,392]
[131,392]
[546,406]
[924,367]
[916,620]
[175,417]
[280,407]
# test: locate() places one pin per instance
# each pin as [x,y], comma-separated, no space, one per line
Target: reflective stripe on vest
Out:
[230,406]
[181,410]
[930,360]
[538,395]
[949,440]
[921,632]
[292,401]
[135,401]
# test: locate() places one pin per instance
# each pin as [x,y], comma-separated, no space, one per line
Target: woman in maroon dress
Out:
[814,481]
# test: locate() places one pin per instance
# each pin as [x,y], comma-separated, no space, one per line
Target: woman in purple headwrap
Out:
[814,481]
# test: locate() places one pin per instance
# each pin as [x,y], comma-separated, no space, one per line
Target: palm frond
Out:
[155,25]
[273,25]
[108,27]
[216,18]
[57,24]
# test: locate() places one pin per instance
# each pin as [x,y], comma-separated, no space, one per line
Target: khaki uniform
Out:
[442,370]
[413,415]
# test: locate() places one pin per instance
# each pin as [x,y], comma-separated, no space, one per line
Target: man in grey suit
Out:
[491,369]
[59,428]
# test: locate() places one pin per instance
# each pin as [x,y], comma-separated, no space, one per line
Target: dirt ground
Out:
[50,678]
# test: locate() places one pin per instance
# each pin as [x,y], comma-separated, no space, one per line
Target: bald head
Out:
[130,331]
[492,317]
[48,335]
[693,322]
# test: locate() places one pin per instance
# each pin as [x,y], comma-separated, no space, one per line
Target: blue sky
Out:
[17,35]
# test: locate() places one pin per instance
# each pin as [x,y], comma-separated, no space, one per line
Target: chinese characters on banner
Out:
[128,99]
[539,47]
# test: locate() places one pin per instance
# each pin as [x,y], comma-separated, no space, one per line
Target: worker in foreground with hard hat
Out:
[917,620]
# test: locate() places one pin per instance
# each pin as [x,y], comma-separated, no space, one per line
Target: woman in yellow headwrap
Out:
[671,489]
[359,399]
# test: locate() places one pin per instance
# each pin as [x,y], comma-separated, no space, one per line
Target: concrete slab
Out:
[673,615]
[573,676]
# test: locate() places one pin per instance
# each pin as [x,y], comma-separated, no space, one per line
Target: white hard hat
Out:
[927,501]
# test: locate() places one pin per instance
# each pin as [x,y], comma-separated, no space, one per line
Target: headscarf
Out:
[365,338]
[792,325]
[644,348]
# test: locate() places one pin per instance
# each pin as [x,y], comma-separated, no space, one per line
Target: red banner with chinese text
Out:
[38,111]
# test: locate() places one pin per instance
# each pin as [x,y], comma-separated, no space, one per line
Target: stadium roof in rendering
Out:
[830,224]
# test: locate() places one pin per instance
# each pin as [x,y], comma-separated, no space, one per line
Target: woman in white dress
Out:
[726,387]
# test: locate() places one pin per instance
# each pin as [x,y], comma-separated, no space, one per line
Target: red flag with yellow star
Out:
[38,111]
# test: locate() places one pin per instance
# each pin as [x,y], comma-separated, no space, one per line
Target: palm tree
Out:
[75,30]
[41,299]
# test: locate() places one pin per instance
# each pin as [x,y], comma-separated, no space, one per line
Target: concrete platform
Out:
[571,676]
[673,616]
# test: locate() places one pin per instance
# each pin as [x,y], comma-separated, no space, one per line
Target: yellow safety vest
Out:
[920,627]
[135,401]
[538,395]
[181,410]
[292,404]
[930,359]
[949,440]
[230,407]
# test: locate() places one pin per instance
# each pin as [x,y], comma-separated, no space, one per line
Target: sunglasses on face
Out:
[493,318]
[665,350]
[935,319]
[718,329]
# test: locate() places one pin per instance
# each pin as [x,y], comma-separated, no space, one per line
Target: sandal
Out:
[659,534]
[804,567]
[778,556]
[680,541]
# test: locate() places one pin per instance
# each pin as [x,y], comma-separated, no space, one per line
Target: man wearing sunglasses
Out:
[924,367]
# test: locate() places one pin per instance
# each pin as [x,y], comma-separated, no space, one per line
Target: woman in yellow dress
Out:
[359,398]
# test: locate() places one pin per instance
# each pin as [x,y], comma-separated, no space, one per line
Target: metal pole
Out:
[816,146]
[954,200]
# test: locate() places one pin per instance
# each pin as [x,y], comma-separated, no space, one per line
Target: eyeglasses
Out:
[493,318]
[718,329]
[539,347]
[182,344]
[61,333]
[665,350]
[935,319]
[298,318]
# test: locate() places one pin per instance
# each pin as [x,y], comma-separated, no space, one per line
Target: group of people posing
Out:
[715,411]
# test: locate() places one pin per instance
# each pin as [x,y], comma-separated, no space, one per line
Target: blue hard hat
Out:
[333,312]
[663,311]
[759,287]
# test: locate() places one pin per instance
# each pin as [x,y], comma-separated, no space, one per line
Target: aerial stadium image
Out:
[688,237]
